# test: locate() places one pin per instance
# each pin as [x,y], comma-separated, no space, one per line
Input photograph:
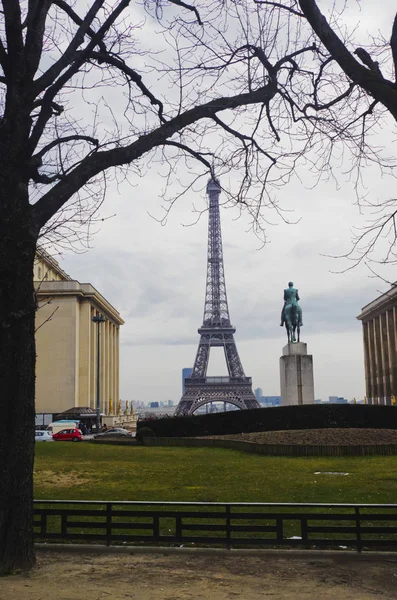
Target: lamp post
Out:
[98,319]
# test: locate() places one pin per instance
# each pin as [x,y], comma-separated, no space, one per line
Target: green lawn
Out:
[67,471]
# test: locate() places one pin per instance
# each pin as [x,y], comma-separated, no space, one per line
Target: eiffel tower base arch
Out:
[205,391]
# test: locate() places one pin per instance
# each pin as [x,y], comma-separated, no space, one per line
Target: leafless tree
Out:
[95,92]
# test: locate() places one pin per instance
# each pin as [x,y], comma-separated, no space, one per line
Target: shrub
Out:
[144,432]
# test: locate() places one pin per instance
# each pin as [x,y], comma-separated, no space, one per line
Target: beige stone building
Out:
[66,342]
[379,320]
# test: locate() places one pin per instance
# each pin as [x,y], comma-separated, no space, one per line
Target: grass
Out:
[66,471]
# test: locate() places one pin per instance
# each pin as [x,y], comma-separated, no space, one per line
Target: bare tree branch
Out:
[3,59]
[197,155]
[49,77]
[369,79]
[49,318]
[244,138]
[36,158]
[63,5]
[393,45]
[76,62]
[189,7]
[47,206]
[35,25]
[280,5]
[13,29]
[130,74]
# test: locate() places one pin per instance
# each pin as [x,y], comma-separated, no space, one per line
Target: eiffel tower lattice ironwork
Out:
[216,330]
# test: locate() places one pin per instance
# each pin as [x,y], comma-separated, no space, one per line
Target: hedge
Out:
[309,416]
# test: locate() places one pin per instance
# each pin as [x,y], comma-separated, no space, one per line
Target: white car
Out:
[43,436]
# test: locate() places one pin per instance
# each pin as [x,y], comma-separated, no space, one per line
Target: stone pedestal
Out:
[296,375]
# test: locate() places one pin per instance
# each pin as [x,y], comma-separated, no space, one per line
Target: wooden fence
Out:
[218,524]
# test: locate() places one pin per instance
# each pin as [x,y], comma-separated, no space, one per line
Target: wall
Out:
[57,357]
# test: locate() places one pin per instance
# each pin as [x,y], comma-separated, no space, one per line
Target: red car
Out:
[66,435]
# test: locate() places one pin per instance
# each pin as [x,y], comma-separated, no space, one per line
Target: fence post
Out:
[64,524]
[178,528]
[228,544]
[280,532]
[43,523]
[108,523]
[156,527]
[358,528]
[304,533]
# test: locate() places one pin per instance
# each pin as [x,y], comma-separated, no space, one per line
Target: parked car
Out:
[113,432]
[57,426]
[73,435]
[42,436]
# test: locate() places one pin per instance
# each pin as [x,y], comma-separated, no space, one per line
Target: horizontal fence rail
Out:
[229,525]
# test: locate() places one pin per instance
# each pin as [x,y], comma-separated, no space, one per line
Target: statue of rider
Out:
[291,298]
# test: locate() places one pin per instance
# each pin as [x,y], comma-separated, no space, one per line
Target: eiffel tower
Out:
[216,330]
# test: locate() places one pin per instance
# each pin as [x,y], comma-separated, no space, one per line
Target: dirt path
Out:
[72,576]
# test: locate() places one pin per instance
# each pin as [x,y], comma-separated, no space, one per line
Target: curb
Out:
[287,450]
[251,552]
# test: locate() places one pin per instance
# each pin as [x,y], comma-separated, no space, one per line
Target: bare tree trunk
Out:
[17,378]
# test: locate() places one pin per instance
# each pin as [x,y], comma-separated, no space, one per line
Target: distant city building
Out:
[337,400]
[258,393]
[186,372]
[148,412]
[267,401]
[137,404]
[379,321]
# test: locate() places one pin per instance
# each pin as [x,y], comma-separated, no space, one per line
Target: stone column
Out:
[386,359]
[372,366]
[117,370]
[115,388]
[111,348]
[296,375]
[367,359]
[84,354]
[93,361]
[393,349]
[106,366]
[103,368]
[378,358]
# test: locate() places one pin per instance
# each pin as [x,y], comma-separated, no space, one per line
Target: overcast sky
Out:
[154,275]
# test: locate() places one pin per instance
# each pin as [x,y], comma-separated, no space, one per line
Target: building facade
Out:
[379,321]
[186,372]
[66,342]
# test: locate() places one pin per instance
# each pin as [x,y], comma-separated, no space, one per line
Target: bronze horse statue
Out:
[292,319]
[291,315]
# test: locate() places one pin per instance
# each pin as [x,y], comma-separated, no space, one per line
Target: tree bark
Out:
[18,237]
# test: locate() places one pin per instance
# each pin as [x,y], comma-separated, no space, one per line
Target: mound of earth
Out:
[317,437]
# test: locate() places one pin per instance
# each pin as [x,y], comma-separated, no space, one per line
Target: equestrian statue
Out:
[291,314]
